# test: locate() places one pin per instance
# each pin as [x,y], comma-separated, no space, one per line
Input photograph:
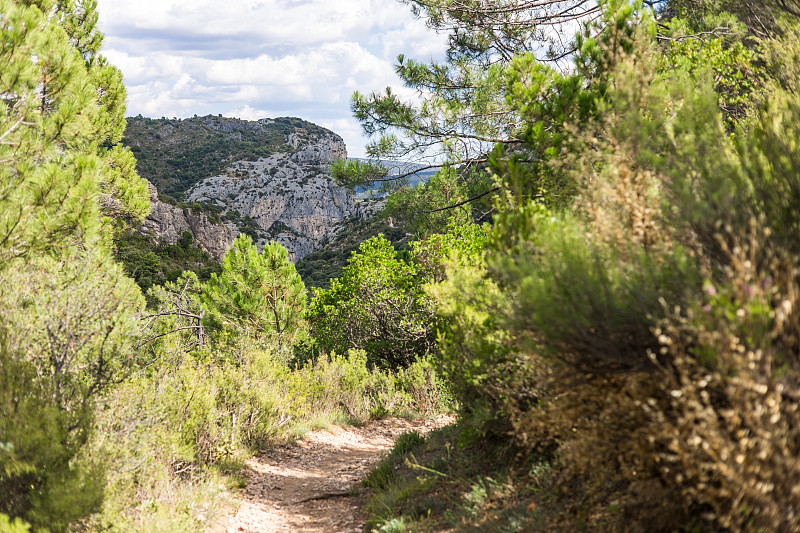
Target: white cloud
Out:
[273,21]
[248,113]
[243,57]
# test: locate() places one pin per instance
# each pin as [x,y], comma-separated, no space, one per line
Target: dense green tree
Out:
[257,295]
[53,254]
[48,182]
[67,310]
[379,304]
[376,305]
[124,195]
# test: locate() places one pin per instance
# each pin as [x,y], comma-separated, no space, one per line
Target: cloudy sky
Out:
[261,58]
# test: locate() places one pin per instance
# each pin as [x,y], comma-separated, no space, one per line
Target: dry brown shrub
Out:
[621,200]
[604,429]
[620,193]
[734,389]
[712,437]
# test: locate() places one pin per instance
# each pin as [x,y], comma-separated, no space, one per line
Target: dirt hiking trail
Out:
[308,486]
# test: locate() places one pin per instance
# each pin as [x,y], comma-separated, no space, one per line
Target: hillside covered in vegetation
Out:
[600,283]
[174,154]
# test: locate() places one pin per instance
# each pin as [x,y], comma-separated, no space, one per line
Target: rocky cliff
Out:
[279,190]
[290,197]
[168,222]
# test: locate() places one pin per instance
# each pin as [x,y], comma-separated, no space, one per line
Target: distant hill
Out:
[174,154]
[419,174]
[215,177]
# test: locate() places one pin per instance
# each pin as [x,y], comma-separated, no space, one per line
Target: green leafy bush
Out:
[319,267]
[378,306]
[43,476]
[72,317]
[16,526]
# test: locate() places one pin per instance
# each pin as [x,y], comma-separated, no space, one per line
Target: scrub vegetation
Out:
[601,283]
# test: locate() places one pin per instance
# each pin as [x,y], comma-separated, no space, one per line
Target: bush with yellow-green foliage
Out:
[376,305]
[43,476]
[646,337]
[178,434]
[13,526]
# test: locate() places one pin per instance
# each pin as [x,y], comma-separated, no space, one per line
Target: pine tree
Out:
[62,121]
[469,114]
[464,111]
[66,309]
[256,295]
[55,181]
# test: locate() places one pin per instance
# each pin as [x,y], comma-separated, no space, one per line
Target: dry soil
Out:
[314,485]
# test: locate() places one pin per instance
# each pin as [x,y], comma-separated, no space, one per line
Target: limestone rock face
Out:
[324,150]
[168,222]
[288,196]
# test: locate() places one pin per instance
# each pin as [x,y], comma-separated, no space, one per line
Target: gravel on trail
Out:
[313,485]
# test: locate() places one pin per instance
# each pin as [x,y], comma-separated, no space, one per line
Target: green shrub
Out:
[44,478]
[407,442]
[384,475]
[17,526]
[380,303]
[378,306]
[171,430]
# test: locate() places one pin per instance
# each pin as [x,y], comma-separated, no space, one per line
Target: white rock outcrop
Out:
[290,196]
[168,222]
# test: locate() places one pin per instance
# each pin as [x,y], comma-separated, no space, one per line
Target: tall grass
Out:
[175,438]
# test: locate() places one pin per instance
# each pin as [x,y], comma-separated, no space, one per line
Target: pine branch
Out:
[459,204]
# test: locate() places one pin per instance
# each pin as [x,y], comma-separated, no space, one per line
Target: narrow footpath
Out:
[314,484]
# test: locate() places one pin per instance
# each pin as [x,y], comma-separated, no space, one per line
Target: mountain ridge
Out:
[216,177]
